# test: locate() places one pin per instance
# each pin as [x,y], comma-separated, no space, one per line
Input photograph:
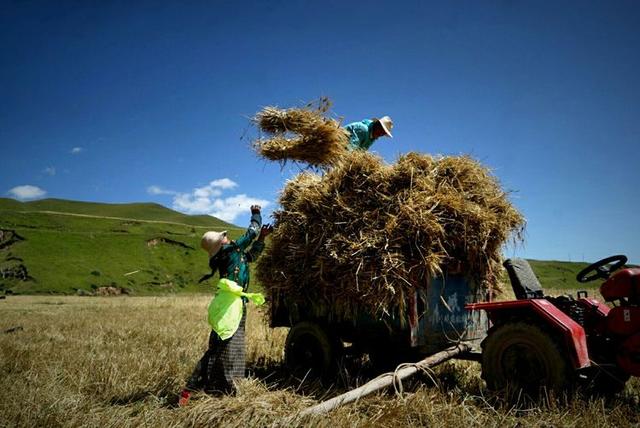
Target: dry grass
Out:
[301,134]
[364,233]
[121,362]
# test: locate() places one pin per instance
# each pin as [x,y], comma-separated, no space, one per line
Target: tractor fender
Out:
[572,333]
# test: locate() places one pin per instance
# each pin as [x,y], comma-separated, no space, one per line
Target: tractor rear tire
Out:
[524,357]
[310,351]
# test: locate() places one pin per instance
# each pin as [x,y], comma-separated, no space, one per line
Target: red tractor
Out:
[539,341]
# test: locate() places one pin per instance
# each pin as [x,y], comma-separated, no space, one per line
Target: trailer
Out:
[535,343]
[435,319]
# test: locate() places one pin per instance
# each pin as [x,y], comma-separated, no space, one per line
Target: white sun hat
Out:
[211,242]
[387,125]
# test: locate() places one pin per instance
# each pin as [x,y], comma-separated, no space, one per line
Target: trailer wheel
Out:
[520,356]
[309,350]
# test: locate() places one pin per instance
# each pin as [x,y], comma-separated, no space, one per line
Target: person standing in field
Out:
[224,361]
[364,133]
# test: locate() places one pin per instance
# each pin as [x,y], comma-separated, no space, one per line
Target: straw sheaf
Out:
[301,134]
[364,234]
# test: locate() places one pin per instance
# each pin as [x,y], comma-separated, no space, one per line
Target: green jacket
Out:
[226,308]
[232,261]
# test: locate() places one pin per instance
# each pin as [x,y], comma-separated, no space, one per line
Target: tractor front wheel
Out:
[520,356]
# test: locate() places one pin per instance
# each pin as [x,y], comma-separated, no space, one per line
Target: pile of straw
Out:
[365,233]
[301,134]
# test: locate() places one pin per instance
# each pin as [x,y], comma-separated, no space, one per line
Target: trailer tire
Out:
[310,351]
[519,356]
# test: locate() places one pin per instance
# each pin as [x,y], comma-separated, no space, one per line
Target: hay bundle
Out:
[302,134]
[365,233]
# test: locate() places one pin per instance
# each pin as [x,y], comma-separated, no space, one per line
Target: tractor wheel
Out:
[520,356]
[310,351]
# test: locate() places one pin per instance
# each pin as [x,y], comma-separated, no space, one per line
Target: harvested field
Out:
[364,233]
[121,361]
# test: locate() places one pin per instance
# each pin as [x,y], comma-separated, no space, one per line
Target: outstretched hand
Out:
[265,231]
[255,209]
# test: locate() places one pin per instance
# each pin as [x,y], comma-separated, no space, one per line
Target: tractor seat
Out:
[524,282]
[622,285]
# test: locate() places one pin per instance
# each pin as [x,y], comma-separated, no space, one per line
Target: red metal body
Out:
[572,333]
[624,321]
[603,342]
[629,355]
[596,305]
[623,284]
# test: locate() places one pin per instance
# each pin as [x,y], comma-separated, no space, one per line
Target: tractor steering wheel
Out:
[602,268]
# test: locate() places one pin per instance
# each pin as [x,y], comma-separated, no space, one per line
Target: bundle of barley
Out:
[362,235]
[301,134]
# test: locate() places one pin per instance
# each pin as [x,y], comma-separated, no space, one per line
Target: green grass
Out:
[138,211]
[71,245]
[64,253]
[557,274]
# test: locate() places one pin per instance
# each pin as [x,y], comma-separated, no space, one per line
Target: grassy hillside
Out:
[557,274]
[145,248]
[138,211]
[63,246]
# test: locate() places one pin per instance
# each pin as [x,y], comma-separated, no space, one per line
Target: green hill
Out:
[560,275]
[137,211]
[57,246]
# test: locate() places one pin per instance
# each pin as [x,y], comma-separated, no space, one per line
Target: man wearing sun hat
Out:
[224,362]
[364,133]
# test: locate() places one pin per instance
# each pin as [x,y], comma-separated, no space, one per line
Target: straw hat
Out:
[211,242]
[387,124]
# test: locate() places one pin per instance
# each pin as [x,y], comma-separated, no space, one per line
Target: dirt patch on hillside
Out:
[16,271]
[12,267]
[110,291]
[105,291]
[154,242]
[8,238]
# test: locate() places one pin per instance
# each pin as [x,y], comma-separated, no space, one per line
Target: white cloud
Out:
[157,190]
[77,150]
[229,208]
[27,192]
[224,183]
[208,200]
[50,170]
[206,192]
[214,188]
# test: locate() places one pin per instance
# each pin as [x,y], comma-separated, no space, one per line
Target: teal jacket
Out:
[232,261]
[360,135]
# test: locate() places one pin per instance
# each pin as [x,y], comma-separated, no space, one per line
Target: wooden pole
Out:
[385,380]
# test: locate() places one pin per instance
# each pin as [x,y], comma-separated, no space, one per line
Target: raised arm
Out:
[258,244]
[253,229]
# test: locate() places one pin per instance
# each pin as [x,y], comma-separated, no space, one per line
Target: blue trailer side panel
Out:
[443,320]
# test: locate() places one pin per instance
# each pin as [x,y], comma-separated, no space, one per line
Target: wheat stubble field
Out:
[99,361]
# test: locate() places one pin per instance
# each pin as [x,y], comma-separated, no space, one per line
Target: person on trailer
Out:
[364,133]
[223,364]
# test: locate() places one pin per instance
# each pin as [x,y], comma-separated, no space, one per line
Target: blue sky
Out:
[149,101]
